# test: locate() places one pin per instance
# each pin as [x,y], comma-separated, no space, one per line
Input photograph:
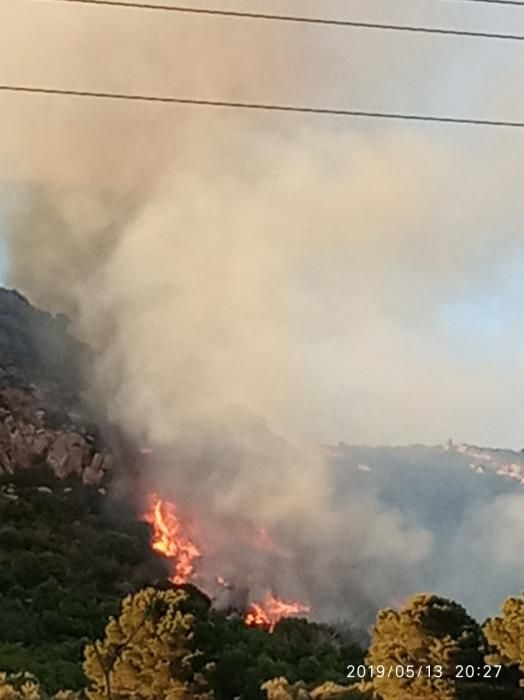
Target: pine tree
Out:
[148,652]
[429,633]
[282,689]
[24,686]
[505,635]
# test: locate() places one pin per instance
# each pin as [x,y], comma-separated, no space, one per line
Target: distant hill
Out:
[470,501]
[444,480]
[70,548]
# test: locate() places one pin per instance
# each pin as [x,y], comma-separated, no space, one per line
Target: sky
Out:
[386,303]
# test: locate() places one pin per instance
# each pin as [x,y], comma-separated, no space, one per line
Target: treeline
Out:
[169,644]
[68,555]
[76,566]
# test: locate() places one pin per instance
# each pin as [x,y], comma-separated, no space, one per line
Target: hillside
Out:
[44,419]
[76,552]
[68,549]
[443,478]
[68,553]
[72,543]
[467,502]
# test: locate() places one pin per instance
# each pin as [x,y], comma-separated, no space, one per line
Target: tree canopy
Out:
[505,635]
[148,652]
[429,633]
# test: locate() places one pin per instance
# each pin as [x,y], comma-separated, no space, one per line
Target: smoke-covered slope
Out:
[434,485]
[469,500]
[69,547]
[43,417]
[385,522]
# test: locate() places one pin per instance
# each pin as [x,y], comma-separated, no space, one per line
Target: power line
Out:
[297,19]
[260,106]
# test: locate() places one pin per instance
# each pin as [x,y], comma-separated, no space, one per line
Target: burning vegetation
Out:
[268,613]
[171,540]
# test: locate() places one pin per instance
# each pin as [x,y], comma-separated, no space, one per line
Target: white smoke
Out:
[301,270]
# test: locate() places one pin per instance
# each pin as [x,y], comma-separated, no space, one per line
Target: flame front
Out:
[271,611]
[170,540]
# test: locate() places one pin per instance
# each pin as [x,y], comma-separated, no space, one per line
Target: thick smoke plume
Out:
[226,266]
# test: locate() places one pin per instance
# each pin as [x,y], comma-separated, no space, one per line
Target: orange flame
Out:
[271,611]
[170,540]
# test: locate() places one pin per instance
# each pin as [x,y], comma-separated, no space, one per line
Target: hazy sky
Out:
[403,242]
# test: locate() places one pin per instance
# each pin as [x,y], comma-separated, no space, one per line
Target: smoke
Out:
[315,288]
[225,265]
[488,538]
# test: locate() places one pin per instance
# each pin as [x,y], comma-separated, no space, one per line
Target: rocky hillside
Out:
[43,418]
[69,547]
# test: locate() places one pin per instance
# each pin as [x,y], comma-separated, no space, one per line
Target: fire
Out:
[170,539]
[257,617]
[271,611]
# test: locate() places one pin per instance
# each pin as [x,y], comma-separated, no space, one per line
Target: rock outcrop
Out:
[43,417]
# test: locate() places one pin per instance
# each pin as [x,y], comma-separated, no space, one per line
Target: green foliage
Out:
[428,632]
[66,560]
[282,689]
[58,664]
[25,686]
[505,635]
[244,657]
[148,651]
[333,691]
